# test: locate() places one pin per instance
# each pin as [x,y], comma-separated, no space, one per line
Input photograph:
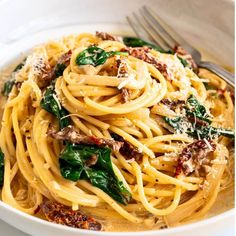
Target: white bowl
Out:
[218,225]
[198,21]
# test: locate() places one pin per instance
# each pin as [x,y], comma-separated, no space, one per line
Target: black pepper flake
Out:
[163,227]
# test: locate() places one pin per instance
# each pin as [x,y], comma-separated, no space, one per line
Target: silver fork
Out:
[149,26]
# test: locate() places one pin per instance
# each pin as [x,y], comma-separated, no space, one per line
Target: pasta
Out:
[167,131]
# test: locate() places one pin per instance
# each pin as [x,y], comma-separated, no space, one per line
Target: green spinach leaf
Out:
[209,86]
[51,104]
[137,42]
[197,122]
[74,166]
[8,85]
[19,66]
[74,160]
[95,56]
[175,123]
[183,61]
[195,109]
[59,69]
[210,132]
[69,171]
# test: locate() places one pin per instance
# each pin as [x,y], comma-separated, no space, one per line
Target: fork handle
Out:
[220,71]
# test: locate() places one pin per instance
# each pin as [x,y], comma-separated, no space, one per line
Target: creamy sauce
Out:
[113,222]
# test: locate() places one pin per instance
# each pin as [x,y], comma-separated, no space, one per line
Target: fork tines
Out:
[150,26]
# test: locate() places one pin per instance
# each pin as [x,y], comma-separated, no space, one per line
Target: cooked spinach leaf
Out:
[74,160]
[209,86]
[183,61]
[19,66]
[59,69]
[196,110]
[95,56]
[1,167]
[74,166]
[210,132]
[51,104]
[8,85]
[197,122]
[175,123]
[195,130]
[137,42]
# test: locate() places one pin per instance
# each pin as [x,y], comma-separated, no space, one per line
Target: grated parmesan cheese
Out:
[55,185]
[219,162]
[57,100]
[208,144]
[123,83]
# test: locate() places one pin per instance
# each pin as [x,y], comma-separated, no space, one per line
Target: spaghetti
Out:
[172,128]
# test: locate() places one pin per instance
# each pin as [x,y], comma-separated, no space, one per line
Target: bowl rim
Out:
[201,223]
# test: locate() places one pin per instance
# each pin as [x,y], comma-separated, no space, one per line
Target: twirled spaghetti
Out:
[127,96]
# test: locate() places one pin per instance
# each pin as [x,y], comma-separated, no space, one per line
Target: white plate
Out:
[199,23]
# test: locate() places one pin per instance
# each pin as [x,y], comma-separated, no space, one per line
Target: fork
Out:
[149,26]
